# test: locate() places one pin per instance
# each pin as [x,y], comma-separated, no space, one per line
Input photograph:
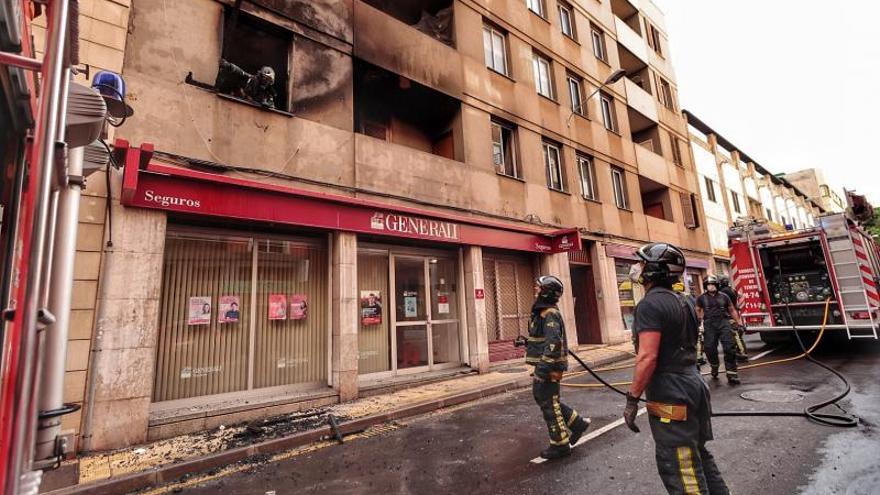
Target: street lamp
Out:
[613,78]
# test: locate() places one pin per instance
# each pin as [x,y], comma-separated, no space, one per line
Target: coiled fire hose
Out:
[811,412]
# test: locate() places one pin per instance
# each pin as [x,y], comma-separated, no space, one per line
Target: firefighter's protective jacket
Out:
[547,348]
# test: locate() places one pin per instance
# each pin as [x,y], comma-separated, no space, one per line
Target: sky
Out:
[792,83]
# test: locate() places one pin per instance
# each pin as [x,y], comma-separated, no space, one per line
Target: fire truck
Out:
[787,280]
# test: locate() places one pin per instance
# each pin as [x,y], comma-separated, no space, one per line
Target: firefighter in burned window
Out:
[716,311]
[665,336]
[547,351]
[739,331]
[258,88]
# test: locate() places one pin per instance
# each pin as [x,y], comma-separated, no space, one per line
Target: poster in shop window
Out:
[277,307]
[410,304]
[371,307]
[199,311]
[229,309]
[443,303]
[298,307]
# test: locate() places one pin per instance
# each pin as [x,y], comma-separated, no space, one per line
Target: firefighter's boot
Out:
[579,427]
[733,378]
[556,452]
[715,372]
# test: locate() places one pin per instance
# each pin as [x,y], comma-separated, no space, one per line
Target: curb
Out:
[172,472]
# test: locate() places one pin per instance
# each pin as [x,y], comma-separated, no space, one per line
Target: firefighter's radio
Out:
[800,287]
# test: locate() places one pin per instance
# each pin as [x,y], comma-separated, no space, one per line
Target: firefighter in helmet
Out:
[547,351]
[665,335]
[739,331]
[716,310]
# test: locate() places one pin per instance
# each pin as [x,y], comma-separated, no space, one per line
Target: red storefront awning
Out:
[163,187]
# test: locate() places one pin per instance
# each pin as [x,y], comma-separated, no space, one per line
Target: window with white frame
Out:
[598,37]
[609,117]
[588,176]
[575,93]
[553,162]
[566,20]
[710,190]
[495,49]
[536,6]
[543,76]
[504,149]
[618,184]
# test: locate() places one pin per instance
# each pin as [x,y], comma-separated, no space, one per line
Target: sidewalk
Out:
[140,466]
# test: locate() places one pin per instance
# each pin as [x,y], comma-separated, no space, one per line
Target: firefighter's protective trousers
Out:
[685,465]
[739,337]
[558,416]
[715,330]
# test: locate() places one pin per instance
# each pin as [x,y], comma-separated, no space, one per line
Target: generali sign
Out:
[417,226]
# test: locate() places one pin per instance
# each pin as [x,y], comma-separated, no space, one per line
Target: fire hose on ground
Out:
[811,412]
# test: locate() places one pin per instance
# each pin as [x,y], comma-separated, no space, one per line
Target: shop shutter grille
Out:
[489,291]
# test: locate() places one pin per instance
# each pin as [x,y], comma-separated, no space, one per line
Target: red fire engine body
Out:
[786,279]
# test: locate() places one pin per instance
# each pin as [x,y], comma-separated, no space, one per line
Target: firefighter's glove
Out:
[555,376]
[520,341]
[629,413]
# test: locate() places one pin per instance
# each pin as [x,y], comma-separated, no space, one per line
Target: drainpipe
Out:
[97,335]
[53,365]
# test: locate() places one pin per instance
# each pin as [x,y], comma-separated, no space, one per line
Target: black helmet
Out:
[723,281]
[663,262]
[711,280]
[550,288]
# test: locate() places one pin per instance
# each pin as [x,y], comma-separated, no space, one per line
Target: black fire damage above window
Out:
[432,17]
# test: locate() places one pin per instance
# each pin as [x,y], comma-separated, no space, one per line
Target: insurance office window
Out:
[588,176]
[504,149]
[618,184]
[710,190]
[609,117]
[598,37]
[543,76]
[495,49]
[566,20]
[553,162]
[536,6]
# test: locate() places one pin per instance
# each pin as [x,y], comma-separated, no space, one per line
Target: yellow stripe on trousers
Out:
[686,467]
[560,421]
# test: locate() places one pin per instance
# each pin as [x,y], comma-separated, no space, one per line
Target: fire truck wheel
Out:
[776,338]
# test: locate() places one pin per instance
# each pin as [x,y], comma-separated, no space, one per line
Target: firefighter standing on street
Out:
[738,330]
[665,335]
[716,311]
[547,352]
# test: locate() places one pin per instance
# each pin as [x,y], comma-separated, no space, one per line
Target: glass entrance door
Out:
[426,309]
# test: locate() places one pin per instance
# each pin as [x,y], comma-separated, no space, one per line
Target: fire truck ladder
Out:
[848,271]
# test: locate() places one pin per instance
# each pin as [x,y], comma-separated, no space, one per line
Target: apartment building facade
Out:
[383,219]
[734,186]
[814,183]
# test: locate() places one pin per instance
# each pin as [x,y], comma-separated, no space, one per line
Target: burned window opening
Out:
[393,108]
[656,199]
[432,17]
[255,61]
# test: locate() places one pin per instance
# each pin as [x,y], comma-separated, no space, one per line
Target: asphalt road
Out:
[486,447]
